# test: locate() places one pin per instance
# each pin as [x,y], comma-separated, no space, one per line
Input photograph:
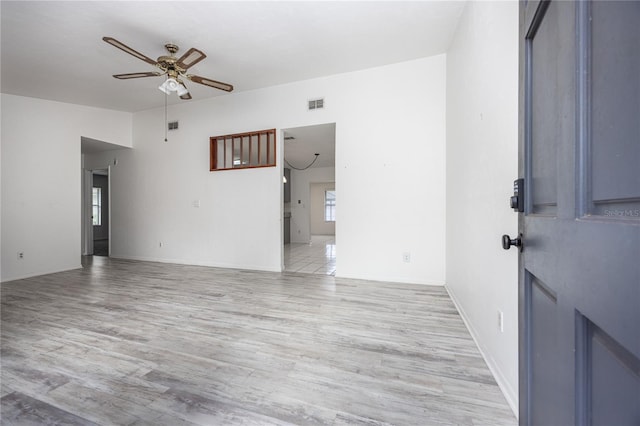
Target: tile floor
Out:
[317,257]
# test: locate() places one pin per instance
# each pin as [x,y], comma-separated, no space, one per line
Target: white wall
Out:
[482,157]
[301,213]
[41,180]
[390,140]
[318,225]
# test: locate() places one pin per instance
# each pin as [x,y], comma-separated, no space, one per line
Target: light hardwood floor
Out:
[123,342]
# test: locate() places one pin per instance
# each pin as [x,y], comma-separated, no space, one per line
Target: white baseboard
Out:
[36,274]
[388,279]
[196,263]
[510,394]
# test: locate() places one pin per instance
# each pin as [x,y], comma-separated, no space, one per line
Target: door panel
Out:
[580,265]
[544,336]
[615,107]
[546,79]
[614,383]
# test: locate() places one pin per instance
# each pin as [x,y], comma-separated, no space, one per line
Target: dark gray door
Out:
[579,279]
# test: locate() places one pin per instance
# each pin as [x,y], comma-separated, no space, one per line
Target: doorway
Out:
[310,200]
[99,159]
[100,212]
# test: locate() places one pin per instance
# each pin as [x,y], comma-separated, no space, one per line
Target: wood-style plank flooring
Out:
[139,343]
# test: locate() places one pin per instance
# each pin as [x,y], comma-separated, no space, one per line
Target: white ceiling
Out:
[91,146]
[300,151]
[54,49]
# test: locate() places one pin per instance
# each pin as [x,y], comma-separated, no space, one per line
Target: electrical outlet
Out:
[20,255]
[406,257]
[500,321]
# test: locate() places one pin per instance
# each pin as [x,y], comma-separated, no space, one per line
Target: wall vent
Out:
[316,104]
[173,125]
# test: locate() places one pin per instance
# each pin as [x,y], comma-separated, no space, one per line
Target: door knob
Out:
[507,242]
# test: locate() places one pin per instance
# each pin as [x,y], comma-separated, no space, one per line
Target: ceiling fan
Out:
[175,69]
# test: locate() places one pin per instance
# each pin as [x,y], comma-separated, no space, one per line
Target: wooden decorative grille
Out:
[243,150]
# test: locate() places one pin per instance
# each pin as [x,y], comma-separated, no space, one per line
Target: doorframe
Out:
[87,224]
[280,150]
[87,208]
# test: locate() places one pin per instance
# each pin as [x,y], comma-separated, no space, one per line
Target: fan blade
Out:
[138,75]
[189,59]
[130,51]
[210,83]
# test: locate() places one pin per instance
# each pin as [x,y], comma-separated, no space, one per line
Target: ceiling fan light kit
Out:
[172,85]
[172,67]
[182,90]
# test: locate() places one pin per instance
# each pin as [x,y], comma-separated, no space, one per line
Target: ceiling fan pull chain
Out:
[166,121]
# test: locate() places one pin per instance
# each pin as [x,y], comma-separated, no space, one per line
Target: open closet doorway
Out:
[310,199]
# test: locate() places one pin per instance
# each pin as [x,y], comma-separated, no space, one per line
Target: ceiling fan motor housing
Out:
[169,62]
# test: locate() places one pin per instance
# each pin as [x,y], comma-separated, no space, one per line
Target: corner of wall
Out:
[510,393]
[481,163]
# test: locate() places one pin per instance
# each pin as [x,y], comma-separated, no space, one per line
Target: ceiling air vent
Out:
[173,125]
[316,104]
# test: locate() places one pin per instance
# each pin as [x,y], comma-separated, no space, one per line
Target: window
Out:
[330,206]
[97,206]
[243,150]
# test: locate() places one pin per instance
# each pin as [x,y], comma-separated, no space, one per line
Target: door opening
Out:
[310,200]
[100,212]
[99,160]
